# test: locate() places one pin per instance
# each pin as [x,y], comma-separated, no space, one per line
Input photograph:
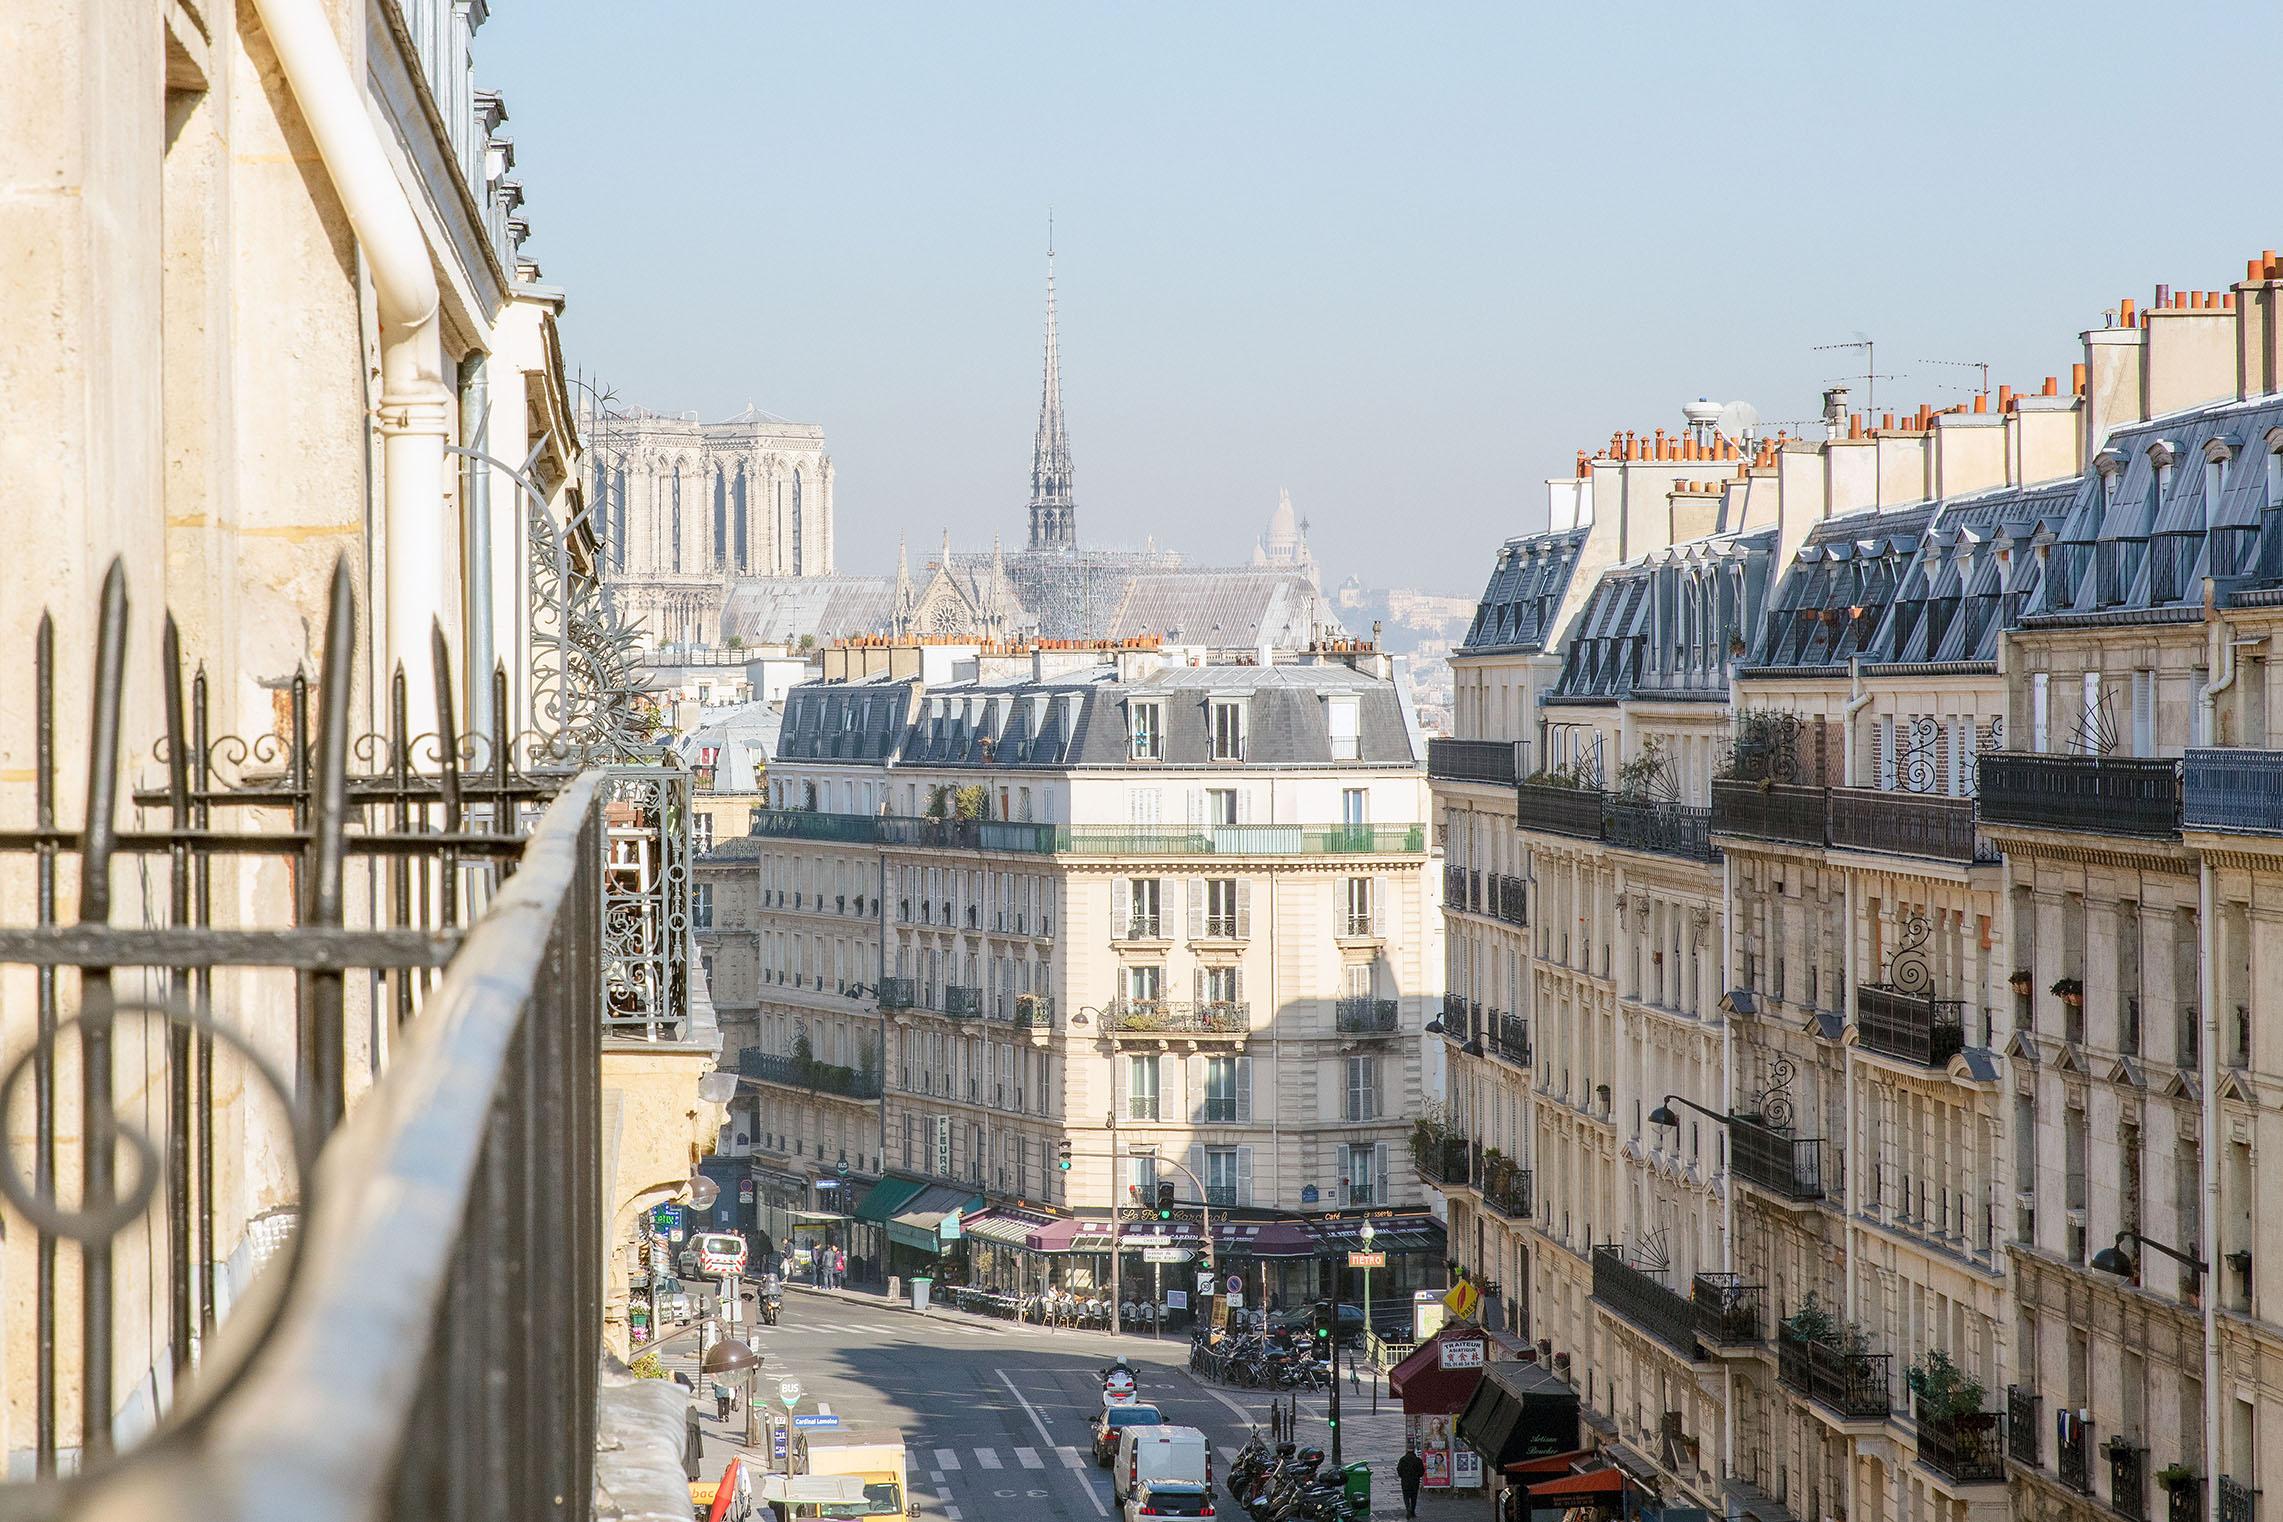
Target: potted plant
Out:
[2071,990]
[2019,982]
[1944,1391]
[1812,1322]
[2175,1476]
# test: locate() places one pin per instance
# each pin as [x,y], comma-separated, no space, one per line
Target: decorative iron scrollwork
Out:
[1766,746]
[1907,968]
[1918,755]
[2096,733]
[1775,1101]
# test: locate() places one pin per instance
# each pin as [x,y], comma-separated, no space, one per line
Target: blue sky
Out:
[1403,260]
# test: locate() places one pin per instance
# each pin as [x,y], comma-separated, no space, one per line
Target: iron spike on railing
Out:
[97,1129]
[323,1063]
[43,1075]
[177,1035]
[447,777]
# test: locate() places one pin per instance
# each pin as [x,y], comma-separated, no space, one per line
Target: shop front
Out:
[1077,1254]
[917,1241]
[1158,1265]
[1434,1385]
[868,1225]
[1414,1248]
[1000,1260]
[1276,1264]
[777,1197]
[1518,1412]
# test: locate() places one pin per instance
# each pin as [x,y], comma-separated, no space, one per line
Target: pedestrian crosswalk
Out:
[957,1460]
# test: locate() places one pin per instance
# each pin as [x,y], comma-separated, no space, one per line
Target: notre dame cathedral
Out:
[715,532]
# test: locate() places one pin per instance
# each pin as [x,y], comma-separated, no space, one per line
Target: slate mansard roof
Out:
[1667,624]
[2168,503]
[1525,592]
[1085,719]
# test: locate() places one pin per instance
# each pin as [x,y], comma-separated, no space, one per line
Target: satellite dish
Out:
[1740,421]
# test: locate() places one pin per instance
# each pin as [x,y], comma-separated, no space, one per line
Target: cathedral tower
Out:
[1054,516]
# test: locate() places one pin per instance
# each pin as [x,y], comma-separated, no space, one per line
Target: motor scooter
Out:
[772,1300]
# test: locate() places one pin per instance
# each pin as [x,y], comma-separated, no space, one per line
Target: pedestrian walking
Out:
[720,1401]
[839,1268]
[1409,1471]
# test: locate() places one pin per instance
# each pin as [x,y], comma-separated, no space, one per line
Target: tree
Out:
[973,801]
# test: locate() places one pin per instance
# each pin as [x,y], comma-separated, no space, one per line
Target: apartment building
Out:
[1891,850]
[1170,909]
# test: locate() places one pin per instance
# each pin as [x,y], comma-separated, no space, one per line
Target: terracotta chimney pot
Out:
[2052,386]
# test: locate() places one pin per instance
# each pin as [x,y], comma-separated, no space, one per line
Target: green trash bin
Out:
[1355,1479]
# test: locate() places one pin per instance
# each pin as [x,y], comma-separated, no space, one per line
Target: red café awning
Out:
[1581,1487]
[1071,1236]
[1265,1239]
[1425,1387]
[1551,1466]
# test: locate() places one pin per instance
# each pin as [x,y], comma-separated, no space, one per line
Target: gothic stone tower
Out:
[1054,516]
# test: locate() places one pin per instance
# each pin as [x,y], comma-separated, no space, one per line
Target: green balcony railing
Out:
[1093,840]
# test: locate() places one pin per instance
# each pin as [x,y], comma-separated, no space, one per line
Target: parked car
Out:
[1159,1455]
[673,1301]
[1172,1498]
[1115,1420]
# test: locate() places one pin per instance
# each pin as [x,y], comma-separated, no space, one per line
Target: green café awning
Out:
[916,1225]
[886,1198]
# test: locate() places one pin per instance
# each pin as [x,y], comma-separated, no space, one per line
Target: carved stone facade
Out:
[685,507]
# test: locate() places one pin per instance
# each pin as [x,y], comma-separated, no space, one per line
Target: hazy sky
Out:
[1402,259]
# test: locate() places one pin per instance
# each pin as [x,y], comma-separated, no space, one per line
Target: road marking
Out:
[988,1458]
[1070,1455]
[1029,1458]
[947,1458]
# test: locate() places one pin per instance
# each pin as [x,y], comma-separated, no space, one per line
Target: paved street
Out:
[997,1417]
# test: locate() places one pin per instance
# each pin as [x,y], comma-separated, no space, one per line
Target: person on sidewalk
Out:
[1409,1471]
[720,1401]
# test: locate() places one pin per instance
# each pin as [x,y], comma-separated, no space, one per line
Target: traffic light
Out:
[1322,1319]
[1062,1154]
[1165,1202]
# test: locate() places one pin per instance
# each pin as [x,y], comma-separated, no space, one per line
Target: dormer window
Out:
[1344,716]
[1225,729]
[1148,730]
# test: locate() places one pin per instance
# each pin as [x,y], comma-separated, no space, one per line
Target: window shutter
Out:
[2143,713]
[1196,1185]
[1244,1090]
[1244,805]
[1196,807]
[1244,909]
[1371,886]
[1244,1175]
[1196,908]
[1121,908]
[1194,1076]
[1379,1173]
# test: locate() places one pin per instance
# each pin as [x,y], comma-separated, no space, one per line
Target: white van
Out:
[1170,1456]
[720,1254]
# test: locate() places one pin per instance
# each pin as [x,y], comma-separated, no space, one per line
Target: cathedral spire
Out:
[1054,516]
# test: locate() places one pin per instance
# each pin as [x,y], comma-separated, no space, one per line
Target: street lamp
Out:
[1366,1233]
[1663,1114]
[729,1356]
[2115,1260]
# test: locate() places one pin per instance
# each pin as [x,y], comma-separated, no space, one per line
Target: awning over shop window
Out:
[1071,1236]
[1519,1411]
[1425,1387]
[1570,1489]
[1265,1239]
[1391,1233]
[1009,1228]
[886,1198]
[915,1225]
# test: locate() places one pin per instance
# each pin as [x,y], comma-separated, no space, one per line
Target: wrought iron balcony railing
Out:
[1967,1449]
[1508,899]
[962,1001]
[1771,811]
[2022,1405]
[2236,1501]
[816,1077]
[899,993]
[2128,1478]
[1907,824]
[1926,1031]
[1178,1016]
[1729,1312]
[1777,1161]
[1669,829]
[1494,761]
[1362,1015]
[1854,1385]
[1646,1301]
[1509,1038]
[1455,1016]
[2073,1451]
[1441,1160]
[2237,791]
[1557,810]
[1506,1190]
[1034,1011]
[2107,795]
[1091,840]
[2184,1500]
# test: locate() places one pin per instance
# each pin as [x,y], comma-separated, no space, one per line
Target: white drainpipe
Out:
[416,399]
[1855,705]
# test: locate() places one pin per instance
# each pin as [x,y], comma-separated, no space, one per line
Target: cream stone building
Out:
[1885,1016]
[268,310]
[1106,896]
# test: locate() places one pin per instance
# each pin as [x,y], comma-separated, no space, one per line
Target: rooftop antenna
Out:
[1739,421]
[1870,376]
[1982,365]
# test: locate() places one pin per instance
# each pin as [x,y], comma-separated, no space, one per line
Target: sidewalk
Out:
[1172,1342]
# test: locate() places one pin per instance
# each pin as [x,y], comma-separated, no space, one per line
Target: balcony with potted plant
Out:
[1957,1439]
